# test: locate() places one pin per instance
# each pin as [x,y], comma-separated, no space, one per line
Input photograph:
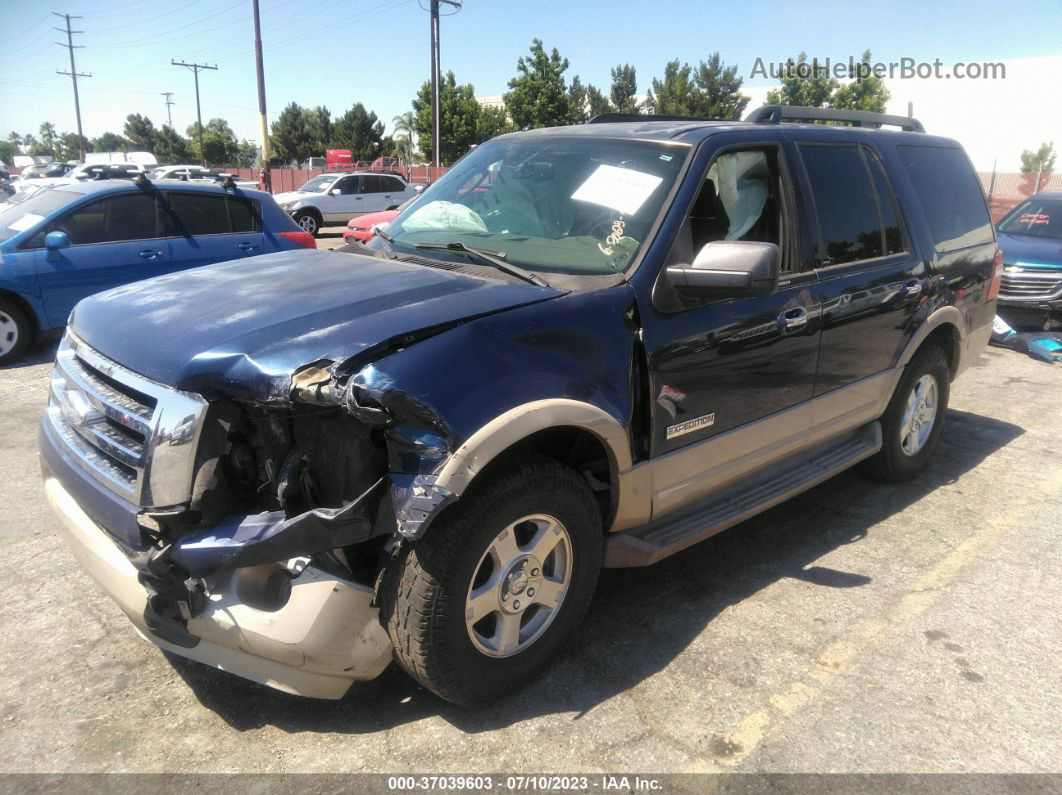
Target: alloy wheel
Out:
[919,416]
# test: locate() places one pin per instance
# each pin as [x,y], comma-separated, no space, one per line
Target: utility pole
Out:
[195,67]
[74,75]
[267,177]
[436,76]
[169,114]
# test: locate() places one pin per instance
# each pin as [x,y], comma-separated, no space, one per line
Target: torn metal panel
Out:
[268,537]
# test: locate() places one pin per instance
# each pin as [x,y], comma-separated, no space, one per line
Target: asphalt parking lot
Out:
[862,627]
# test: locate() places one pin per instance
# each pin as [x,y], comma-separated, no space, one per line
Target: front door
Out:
[343,200]
[729,376]
[113,241]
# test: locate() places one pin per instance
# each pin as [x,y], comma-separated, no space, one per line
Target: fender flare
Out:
[518,423]
[938,317]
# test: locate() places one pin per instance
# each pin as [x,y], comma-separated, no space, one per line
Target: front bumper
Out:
[325,636]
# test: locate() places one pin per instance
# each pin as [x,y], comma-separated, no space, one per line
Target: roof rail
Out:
[612,118]
[775,114]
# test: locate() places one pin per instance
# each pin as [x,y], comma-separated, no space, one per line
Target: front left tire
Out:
[308,221]
[16,332]
[486,599]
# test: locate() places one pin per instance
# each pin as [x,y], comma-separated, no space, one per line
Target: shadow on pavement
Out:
[41,352]
[641,619]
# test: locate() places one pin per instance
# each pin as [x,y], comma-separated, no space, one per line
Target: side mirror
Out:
[53,241]
[335,192]
[729,268]
[418,189]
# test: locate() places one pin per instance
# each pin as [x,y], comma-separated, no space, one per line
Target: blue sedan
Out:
[1030,237]
[71,241]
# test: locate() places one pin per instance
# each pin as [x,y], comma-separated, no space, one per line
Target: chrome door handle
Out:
[246,246]
[912,288]
[149,254]
[792,319]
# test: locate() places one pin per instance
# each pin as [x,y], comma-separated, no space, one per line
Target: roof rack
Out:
[776,114]
[612,118]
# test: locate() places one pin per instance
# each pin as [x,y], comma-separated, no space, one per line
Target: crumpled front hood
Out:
[1030,250]
[241,328]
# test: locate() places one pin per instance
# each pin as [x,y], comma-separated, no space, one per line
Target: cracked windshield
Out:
[553,205]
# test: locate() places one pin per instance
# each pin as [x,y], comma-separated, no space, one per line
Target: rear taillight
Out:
[300,238]
[997,276]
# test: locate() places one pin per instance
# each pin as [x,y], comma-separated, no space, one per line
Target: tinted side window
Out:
[371,184]
[244,215]
[848,213]
[950,195]
[347,186]
[198,214]
[890,218]
[127,217]
[392,185]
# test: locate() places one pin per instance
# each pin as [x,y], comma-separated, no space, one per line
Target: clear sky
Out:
[337,52]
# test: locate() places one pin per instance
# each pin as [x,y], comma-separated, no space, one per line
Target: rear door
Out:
[394,192]
[113,241]
[204,228]
[870,281]
[374,193]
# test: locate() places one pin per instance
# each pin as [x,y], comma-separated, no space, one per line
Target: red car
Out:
[360,228]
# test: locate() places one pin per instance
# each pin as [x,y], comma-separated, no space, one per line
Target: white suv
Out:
[338,197]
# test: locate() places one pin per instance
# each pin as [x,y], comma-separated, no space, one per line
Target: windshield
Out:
[565,205]
[319,184]
[1036,218]
[20,217]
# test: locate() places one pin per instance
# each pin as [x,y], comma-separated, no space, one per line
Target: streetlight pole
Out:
[267,177]
[195,67]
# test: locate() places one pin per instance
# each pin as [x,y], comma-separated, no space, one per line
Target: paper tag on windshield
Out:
[619,188]
[25,222]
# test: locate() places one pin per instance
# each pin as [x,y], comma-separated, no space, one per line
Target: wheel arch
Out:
[577,434]
[941,329]
[25,306]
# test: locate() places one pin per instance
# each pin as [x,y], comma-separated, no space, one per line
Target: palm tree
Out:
[15,140]
[404,134]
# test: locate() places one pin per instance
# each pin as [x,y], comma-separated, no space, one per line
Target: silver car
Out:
[336,198]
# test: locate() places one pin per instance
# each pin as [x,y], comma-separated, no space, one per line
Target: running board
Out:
[740,501]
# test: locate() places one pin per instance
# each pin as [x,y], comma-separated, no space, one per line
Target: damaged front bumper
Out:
[324,636]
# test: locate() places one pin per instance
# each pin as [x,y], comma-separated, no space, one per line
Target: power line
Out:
[169,102]
[195,67]
[74,75]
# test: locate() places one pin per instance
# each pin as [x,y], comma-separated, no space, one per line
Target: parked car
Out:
[336,198]
[584,346]
[360,229]
[188,173]
[49,170]
[69,241]
[1030,237]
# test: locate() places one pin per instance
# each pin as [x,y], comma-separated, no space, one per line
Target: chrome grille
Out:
[135,436]
[1027,284]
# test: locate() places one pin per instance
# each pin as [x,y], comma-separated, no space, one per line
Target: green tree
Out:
[718,90]
[48,138]
[140,132]
[492,121]
[577,103]
[15,140]
[674,93]
[290,137]
[597,102]
[65,146]
[865,92]
[8,150]
[403,136]
[538,94]
[360,131]
[806,83]
[171,148]
[1041,160]
[110,142]
[28,143]
[624,88]
[319,128]
[246,154]
[458,118]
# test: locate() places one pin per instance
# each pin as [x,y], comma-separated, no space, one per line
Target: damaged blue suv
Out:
[584,346]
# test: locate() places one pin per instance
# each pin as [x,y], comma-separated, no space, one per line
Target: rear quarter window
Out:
[950,195]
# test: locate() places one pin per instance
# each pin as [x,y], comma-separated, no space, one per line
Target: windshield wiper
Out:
[491,259]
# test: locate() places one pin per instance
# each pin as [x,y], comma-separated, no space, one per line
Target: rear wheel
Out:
[16,332]
[912,422]
[308,221]
[485,599]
